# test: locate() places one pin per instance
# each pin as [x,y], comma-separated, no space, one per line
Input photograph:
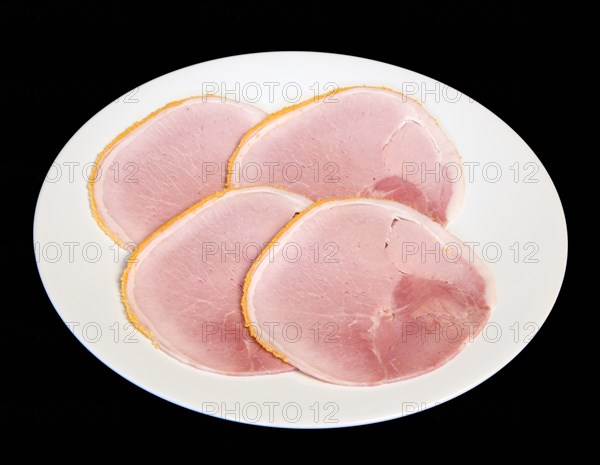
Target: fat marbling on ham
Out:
[167,162]
[183,285]
[358,141]
[366,291]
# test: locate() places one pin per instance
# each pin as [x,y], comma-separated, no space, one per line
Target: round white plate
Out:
[512,215]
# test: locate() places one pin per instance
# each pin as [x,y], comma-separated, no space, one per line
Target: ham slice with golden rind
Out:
[183,285]
[362,292]
[165,163]
[358,141]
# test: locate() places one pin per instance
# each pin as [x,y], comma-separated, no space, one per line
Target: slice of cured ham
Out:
[183,285]
[365,292]
[358,141]
[163,164]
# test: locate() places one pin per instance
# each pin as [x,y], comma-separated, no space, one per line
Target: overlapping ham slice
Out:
[183,285]
[365,291]
[360,141]
[167,162]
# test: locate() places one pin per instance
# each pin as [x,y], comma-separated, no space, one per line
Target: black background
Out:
[66,61]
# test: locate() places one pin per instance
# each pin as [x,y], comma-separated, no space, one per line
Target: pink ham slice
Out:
[364,292]
[183,285]
[169,161]
[361,141]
